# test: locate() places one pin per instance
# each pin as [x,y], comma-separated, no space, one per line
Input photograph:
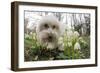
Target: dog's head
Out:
[48,31]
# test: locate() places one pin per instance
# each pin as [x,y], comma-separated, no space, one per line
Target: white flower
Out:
[81,40]
[76,34]
[34,35]
[69,33]
[60,40]
[27,36]
[69,44]
[77,46]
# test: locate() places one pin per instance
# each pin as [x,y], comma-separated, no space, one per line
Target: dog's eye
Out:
[46,26]
[53,27]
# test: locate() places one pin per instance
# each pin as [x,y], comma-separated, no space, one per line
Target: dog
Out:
[48,31]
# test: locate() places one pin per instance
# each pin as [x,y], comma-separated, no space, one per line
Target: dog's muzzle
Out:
[50,38]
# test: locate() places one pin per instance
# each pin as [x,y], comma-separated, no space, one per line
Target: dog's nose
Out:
[50,37]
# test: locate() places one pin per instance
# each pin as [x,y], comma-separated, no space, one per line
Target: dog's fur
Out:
[48,31]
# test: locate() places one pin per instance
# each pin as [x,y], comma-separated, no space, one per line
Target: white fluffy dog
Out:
[48,31]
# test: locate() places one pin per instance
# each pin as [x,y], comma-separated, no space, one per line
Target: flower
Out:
[69,33]
[27,36]
[76,34]
[34,35]
[82,41]
[60,40]
[69,44]
[77,46]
